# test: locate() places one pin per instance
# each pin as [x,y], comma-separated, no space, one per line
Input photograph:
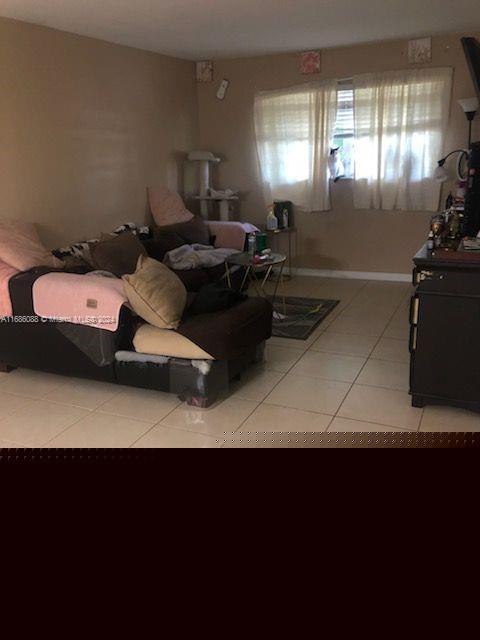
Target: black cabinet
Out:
[445,330]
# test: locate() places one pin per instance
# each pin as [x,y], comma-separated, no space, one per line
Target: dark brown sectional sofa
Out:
[235,337]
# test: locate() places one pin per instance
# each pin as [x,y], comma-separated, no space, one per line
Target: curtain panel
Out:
[400,123]
[294,129]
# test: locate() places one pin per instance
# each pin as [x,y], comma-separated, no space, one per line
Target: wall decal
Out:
[222,89]
[310,62]
[419,50]
[204,71]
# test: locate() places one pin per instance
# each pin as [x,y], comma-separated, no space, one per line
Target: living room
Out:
[239,191]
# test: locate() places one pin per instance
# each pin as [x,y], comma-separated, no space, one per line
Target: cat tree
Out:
[207,195]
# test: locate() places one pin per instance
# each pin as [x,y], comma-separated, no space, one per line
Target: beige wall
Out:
[85,126]
[343,238]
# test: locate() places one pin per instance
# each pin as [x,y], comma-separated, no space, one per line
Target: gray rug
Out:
[299,317]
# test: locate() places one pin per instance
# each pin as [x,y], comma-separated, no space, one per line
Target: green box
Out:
[261,241]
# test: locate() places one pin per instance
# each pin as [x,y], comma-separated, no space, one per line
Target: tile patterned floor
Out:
[350,375]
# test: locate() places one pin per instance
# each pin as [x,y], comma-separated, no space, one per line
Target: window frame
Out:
[346,85]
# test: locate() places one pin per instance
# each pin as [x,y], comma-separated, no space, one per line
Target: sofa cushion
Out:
[159,246]
[164,342]
[195,231]
[214,297]
[194,279]
[117,254]
[167,207]
[217,273]
[156,294]
[21,247]
[228,334]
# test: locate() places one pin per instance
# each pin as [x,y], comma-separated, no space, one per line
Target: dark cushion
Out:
[193,279]
[195,231]
[118,254]
[215,297]
[216,273]
[162,244]
[226,335]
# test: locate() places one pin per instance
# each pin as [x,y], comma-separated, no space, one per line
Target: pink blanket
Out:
[6,272]
[230,235]
[81,299]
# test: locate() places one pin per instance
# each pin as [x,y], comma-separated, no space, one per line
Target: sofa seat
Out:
[223,335]
[227,334]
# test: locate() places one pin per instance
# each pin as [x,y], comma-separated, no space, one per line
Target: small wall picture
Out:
[419,50]
[310,62]
[204,71]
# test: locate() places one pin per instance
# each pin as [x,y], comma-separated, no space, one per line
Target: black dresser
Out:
[445,329]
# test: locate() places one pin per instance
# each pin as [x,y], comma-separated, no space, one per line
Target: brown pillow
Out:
[117,254]
[195,231]
[156,294]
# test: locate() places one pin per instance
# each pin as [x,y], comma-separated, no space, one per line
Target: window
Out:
[400,122]
[294,131]
[345,129]
[389,128]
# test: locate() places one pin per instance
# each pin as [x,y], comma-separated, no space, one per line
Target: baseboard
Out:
[353,275]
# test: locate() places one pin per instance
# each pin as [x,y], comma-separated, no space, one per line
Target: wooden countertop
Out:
[441,259]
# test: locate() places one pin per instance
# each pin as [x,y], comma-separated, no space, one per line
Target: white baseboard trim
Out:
[354,275]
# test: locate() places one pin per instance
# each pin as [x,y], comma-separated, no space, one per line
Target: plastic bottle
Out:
[252,243]
[430,241]
[285,218]
[272,222]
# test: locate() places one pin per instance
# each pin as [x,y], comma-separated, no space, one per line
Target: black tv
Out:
[471,47]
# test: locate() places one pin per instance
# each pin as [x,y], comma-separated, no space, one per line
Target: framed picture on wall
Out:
[419,50]
[204,71]
[310,62]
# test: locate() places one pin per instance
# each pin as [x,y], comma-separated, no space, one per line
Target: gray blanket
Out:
[196,256]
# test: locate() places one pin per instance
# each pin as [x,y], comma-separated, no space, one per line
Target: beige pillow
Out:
[161,342]
[156,294]
[167,207]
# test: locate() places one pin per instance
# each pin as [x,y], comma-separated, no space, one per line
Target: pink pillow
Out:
[6,272]
[21,248]
[167,207]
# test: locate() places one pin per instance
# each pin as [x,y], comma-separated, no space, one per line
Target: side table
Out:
[275,238]
[253,269]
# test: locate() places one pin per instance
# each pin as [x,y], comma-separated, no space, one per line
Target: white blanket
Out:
[196,256]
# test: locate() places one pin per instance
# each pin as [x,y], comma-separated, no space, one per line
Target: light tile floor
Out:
[350,375]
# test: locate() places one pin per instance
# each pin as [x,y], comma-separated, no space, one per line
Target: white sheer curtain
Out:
[400,122]
[294,128]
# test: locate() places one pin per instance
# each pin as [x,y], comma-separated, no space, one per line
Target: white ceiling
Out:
[197,29]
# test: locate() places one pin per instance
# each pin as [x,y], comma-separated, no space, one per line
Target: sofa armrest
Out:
[230,235]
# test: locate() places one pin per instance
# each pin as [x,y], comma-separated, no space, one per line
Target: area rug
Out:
[297,318]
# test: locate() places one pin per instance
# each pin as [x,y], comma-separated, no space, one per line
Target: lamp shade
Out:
[440,174]
[469,105]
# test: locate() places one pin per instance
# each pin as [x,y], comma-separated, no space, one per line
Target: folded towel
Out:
[91,300]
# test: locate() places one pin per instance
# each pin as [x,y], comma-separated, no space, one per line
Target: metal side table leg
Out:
[227,273]
[247,272]
[274,297]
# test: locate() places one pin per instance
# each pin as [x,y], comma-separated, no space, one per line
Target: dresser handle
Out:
[425,275]
[413,339]
[414,304]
